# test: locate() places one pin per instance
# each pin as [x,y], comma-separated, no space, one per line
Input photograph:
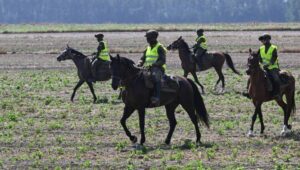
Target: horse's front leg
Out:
[185,73]
[92,90]
[75,89]
[262,126]
[126,114]
[142,125]
[197,81]
[250,133]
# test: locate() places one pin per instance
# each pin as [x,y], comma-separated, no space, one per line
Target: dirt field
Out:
[40,128]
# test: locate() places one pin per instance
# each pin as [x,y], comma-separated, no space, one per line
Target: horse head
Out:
[176,44]
[253,61]
[120,67]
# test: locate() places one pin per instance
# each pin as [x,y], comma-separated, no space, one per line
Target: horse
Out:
[136,96]
[83,64]
[258,92]
[216,61]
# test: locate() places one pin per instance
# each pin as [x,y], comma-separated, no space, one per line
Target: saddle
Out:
[103,71]
[168,83]
[203,61]
[283,76]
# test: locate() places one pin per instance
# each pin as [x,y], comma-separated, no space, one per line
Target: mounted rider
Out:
[154,58]
[269,60]
[200,48]
[102,55]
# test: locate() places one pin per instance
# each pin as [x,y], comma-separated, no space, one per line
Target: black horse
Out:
[136,96]
[83,64]
[215,60]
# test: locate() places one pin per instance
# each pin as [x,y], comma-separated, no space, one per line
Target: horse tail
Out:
[230,63]
[199,105]
[290,97]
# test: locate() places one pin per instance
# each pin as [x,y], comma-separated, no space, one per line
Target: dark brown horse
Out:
[83,64]
[258,91]
[216,60]
[136,96]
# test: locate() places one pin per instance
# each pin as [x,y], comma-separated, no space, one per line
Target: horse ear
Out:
[250,50]
[180,38]
[118,56]
[68,45]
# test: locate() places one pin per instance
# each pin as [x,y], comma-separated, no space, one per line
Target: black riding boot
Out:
[155,99]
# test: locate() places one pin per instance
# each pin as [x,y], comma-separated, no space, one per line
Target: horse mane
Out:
[77,52]
[185,45]
[128,61]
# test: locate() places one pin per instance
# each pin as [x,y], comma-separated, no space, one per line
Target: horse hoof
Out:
[133,139]
[198,143]
[289,127]
[95,100]
[167,142]
[285,130]
[250,133]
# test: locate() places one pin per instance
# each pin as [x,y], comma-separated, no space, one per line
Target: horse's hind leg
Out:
[221,78]
[75,89]
[197,81]
[92,90]
[126,114]
[286,126]
[190,109]
[170,109]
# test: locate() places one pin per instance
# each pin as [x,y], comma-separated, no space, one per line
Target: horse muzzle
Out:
[115,83]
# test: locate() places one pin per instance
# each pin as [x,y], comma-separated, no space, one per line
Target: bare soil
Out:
[40,128]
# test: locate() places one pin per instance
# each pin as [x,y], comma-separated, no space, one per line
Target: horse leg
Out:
[221,78]
[170,109]
[142,125]
[185,73]
[286,126]
[188,106]
[262,126]
[126,114]
[75,88]
[250,133]
[92,90]
[197,81]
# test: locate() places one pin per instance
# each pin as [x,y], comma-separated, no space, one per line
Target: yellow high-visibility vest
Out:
[152,55]
[104,54]
[266,56]
[202,44]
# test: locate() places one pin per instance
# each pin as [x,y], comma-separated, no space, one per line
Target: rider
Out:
[269,59]
[102,54]
[200,48]
[154,57]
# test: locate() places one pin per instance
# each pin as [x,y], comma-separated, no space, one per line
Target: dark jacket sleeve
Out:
[197,45]
[161,57]
[100,48]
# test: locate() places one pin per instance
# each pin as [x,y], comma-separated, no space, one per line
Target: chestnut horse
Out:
[258,92]
[216,61]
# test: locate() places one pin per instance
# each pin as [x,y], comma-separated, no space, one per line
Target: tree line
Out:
[148,11]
